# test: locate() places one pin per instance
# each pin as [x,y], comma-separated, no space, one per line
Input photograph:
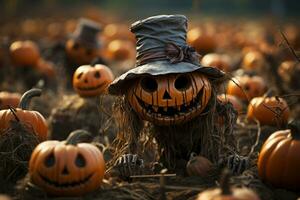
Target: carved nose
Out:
[65,171]
[167,95]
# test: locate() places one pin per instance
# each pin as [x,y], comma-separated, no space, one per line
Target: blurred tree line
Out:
[225,7]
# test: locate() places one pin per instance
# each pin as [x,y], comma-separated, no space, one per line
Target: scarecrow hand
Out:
[129,165]
[237,164]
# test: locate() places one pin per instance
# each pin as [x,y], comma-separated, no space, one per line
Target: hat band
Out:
[172,52]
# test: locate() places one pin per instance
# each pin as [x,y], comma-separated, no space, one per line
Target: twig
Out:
[289,45]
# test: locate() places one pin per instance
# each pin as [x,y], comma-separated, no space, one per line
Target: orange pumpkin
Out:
[46,68]
[246,87]
[227,193]
[222,62]
[31,118]
[279,160]
[8,99]
[67,168]
[117,31]
[198,166]
[79,54]
[237,104]
[119,50]
[201,41]
[268,110]
[287,71]
[24,53]
[89,81]
[169,99]
[254,61]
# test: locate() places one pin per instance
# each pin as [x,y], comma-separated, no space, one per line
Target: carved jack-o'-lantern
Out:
[80,54]
[67,168]
[170,99]
[92,80]
[83,46]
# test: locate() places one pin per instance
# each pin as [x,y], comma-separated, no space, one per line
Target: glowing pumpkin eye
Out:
[50,160]
[80,161]
[149,84]
[97,74]
[182,83]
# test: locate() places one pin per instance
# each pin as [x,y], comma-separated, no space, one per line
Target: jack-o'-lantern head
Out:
[89,80]
[168,86]
[83,46]
[170,99]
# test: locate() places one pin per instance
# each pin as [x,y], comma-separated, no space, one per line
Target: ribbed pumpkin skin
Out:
[264,110]
[31,118]
[65,158]
[279,160]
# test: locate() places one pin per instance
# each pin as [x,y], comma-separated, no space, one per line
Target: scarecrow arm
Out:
[129,165]
[236,163]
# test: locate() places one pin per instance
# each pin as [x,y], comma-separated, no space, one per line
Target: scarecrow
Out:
[169,101]
[82,47]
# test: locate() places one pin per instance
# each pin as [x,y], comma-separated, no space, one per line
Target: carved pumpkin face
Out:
[170,99]
[80,54]
[66,169]
[92,80]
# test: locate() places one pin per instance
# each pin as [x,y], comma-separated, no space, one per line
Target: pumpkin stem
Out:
[27,96]
[78,136]
[269,93]
[13,110]
[294,127]
[224,183]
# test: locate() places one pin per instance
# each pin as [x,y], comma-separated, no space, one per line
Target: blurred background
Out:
[132,8]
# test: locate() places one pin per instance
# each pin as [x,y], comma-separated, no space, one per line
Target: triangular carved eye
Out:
[80,161]
[50,160]
[167,95]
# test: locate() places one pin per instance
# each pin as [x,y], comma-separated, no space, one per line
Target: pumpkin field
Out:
[175,103]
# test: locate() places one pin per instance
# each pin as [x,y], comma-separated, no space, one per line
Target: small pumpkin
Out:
[279,160]
[237,104]
[202,42]
[8,99]
[198,166]
[46,68]
[170,99]
[31,118]
[24,53]
[119,50]
[246,87]
[225,192]
[80,54]
[220,61]
[254,61]
[268,110]
[92,80]
[67,168]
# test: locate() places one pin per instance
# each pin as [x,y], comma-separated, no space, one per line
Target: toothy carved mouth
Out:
[91,88]
[172,111]
[65,185]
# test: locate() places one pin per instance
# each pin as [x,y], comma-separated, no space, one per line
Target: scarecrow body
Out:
[169,89]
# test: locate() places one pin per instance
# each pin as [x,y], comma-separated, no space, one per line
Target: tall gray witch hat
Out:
[162,49]
[86,33]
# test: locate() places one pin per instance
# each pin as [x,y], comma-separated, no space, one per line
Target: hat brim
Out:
[162,68]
